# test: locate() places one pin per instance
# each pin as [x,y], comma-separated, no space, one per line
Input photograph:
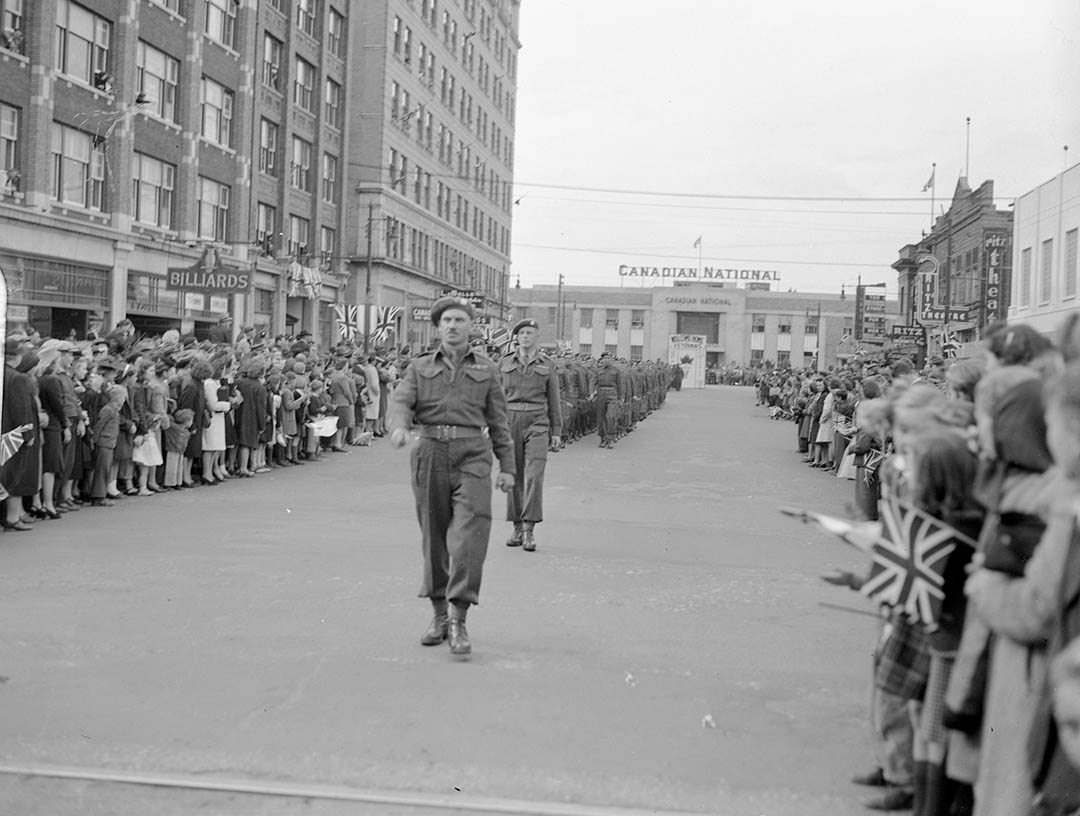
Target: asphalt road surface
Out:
[253,648]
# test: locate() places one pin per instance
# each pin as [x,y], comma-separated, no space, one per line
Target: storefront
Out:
[56,297]
[153,309]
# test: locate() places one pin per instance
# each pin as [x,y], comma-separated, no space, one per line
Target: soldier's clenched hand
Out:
[398,437]
[505,482]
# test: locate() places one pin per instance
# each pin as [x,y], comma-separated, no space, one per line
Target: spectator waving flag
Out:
[348,320]
[385,325]
[12,441]
[871,462]
[909,561]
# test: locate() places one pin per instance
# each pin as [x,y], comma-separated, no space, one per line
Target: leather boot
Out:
[437,630]
[516,539]
[459,638]
[528,543]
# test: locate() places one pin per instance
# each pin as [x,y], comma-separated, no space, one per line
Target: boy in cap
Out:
[451,396]
[176,438]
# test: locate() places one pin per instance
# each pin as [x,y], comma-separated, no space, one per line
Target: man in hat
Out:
[608,385]
[222,332]
[531,383]
[451,395]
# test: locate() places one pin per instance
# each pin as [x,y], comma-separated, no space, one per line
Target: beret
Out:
[527,323]
[444,303]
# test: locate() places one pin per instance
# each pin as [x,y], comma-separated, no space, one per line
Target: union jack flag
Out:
[348,320]
[909,561]
[386,323]
[871,462]
[12,441]
[499,338]
[950,344]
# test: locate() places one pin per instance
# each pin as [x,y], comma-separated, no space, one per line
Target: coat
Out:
[251,413]
[21,473]
[193,397]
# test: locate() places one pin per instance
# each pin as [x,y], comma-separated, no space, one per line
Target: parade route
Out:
[669,647]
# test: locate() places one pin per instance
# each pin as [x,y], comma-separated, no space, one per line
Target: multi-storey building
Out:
[1046,222]
[432,155]
[137,134]
[740,325]
[954,281]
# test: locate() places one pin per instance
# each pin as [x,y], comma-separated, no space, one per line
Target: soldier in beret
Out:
[531,383]
[452,395]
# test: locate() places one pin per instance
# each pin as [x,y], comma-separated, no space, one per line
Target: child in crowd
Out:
[176,442]
[106,433]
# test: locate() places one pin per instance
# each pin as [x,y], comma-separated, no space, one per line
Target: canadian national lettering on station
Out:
[705,273]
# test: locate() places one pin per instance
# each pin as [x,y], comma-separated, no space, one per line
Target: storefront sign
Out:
[421,314]
[688,352]
[916,333]
[706,273]
[468,295]
[690,301]
[997,260]
[18,314]
[209,275]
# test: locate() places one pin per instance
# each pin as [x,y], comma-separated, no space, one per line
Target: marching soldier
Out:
[452,396]
[607,400]
[531,383]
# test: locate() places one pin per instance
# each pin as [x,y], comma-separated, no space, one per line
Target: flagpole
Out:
[933,190]
[700,250]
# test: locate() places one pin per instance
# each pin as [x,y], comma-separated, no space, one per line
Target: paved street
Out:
[267,630]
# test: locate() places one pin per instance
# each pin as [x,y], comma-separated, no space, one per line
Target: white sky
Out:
[776,98]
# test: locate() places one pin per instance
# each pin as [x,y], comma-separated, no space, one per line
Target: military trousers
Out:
[531,433]
[452,485]
[606,407]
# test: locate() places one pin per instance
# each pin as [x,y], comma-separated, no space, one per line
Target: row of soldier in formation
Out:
[467,410]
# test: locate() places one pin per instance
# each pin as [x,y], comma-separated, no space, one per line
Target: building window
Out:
[213,210]
[300,169]
[81,44]
[221,21]
[783,358]
[784,326]
[610,349]
[612,320]
[335,29]
[406,45]
[272,62]
[9,147]
[812,325]
[217,110]
[1070,270]
[266,227]
[1046,278]
[332,108]
[330,178]
[11,26]
[757,355]
[298,235]
[327,243]
[637,319]
[636,353]
[268,147]
[305,16]
[757,323]
[397,36]
[586,349]
[78,167]
[152,190]
[278,4]
[1025,277]
[586,318]
[156,78]
[304,86]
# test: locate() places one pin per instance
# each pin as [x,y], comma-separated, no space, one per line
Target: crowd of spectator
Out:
[124,416]
[978,712]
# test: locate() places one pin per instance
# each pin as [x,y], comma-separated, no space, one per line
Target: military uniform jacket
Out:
[535,383]
[436,392]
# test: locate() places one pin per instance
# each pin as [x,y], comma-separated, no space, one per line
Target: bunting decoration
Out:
[348,320]
[385,323]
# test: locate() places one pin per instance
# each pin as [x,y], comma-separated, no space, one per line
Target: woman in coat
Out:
[250,416]
[20,474]
[193,397]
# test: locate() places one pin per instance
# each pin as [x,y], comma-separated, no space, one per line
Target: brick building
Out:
[136,134]
[955,280]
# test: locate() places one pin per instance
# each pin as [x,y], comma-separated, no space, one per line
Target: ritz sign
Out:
[693,273]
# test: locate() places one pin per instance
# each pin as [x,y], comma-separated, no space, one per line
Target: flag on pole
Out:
[499,338]
[12,441]
[930,181]
[909,561]
[950,345]
[697,243]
